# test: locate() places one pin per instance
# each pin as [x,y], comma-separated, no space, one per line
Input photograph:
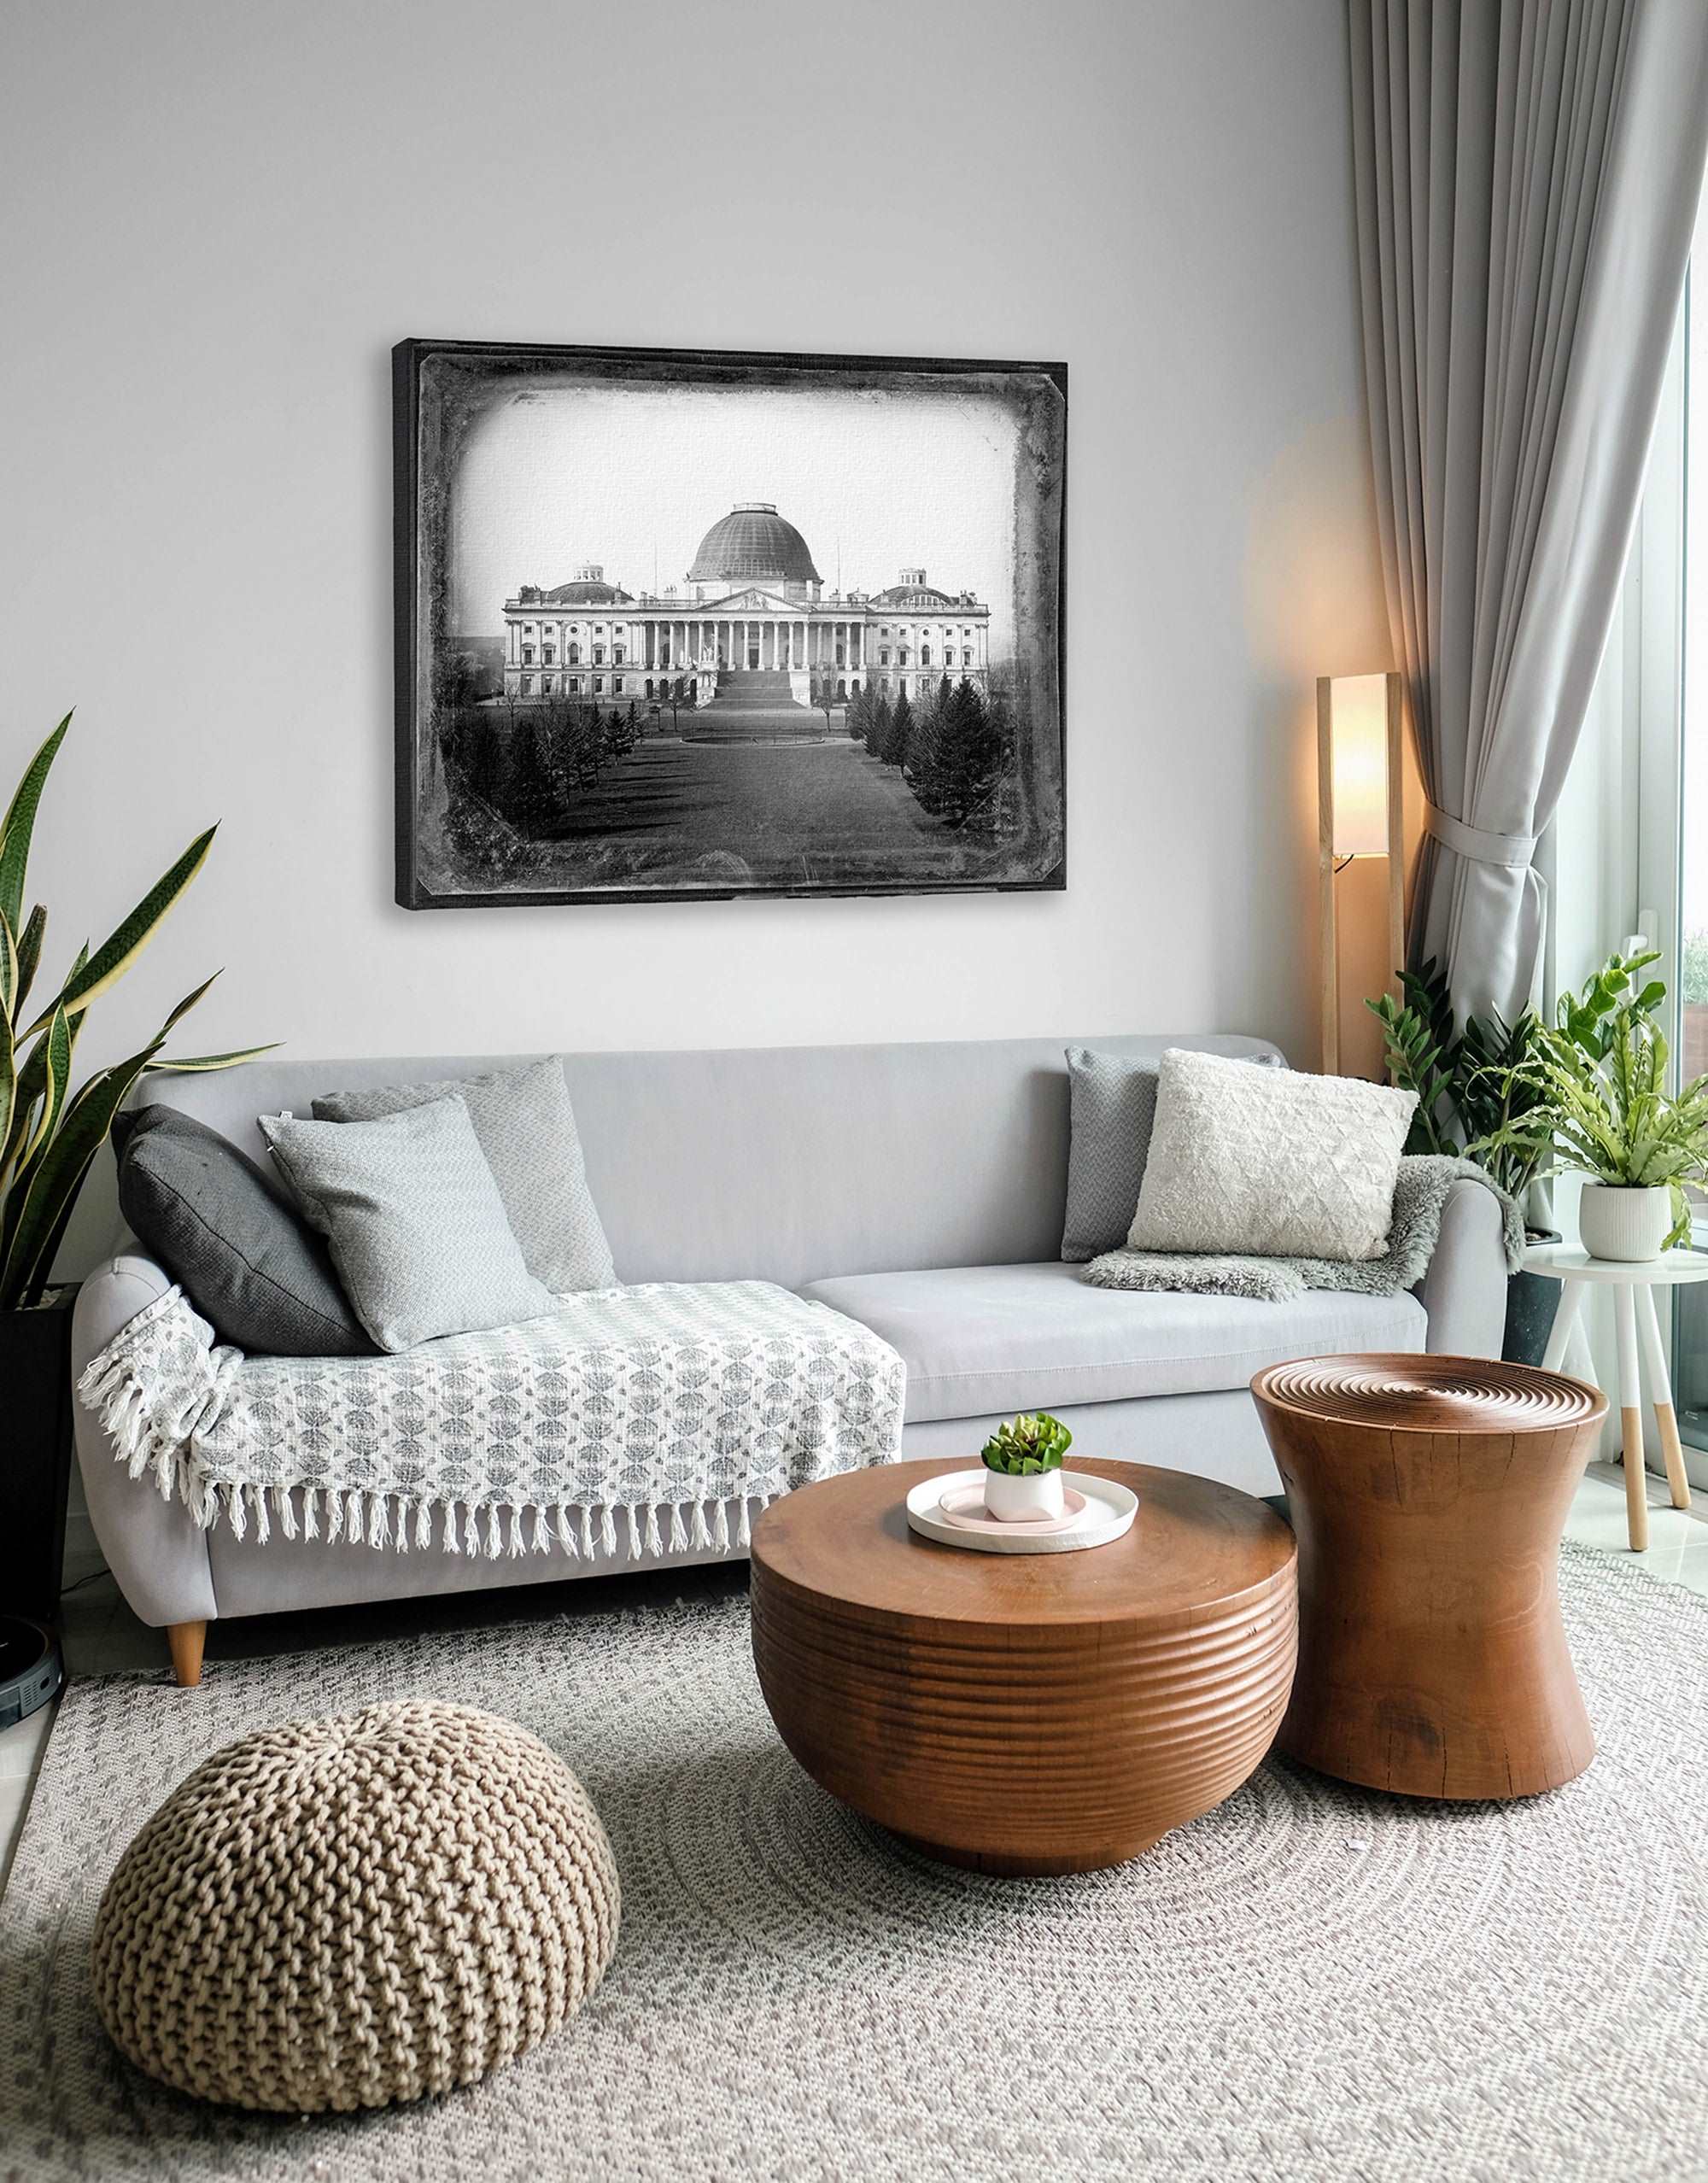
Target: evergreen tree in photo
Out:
[966,759]
[878,726]
[854,720]
[900,739]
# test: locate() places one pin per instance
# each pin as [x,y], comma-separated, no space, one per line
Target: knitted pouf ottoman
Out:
[347,1912]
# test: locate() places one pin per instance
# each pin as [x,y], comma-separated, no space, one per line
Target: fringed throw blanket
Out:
[641,1414]
[1420,1196]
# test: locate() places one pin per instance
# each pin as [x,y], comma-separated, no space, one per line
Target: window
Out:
[547,683]
[528,655]
[526,686]
[573,656]
[548,654]
[598,684]
[616,680]
[598,655]
[1665,678]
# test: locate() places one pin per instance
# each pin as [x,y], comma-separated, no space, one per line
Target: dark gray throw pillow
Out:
[250,1264]
[1112,1111]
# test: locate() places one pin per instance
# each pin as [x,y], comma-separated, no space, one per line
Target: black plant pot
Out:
[1532,1300]
[35,1456]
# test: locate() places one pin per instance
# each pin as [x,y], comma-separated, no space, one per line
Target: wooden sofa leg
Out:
[186,1640]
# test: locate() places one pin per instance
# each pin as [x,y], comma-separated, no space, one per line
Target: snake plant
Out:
[1596,1083]
[1030,1444]
[49,1133]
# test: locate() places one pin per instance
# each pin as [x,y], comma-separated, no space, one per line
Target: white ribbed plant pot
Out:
[1019,1501]
[1624,1223]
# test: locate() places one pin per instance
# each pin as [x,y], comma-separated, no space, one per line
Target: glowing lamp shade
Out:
[1358,746]
[1360,812]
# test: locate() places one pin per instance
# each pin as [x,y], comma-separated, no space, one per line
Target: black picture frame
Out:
[437,387]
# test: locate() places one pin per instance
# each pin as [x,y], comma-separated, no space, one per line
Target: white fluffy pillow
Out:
[1271,1163]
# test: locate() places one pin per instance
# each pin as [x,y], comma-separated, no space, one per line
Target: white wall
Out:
[216,220]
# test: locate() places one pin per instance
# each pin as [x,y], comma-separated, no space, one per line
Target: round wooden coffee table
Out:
[1428,1495]
[1025,1714]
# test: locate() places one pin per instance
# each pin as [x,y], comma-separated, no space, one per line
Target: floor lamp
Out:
[1361,791]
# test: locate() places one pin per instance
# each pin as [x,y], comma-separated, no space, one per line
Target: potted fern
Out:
[1597,1103]
[49,1134]
[1022,1464]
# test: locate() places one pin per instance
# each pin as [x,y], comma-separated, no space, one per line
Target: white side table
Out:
[1633,1285]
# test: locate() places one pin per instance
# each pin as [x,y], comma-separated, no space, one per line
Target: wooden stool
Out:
[1633,1283]
[1428,1495]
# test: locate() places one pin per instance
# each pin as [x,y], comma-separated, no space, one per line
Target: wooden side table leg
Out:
[1660,1394]
[1565,1320]
[1631,1420]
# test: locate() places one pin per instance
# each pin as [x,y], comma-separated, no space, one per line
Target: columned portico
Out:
[755,604]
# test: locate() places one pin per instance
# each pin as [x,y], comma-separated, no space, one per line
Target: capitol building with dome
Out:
[753,605]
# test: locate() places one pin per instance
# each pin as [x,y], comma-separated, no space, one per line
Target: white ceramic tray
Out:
[1109,1512]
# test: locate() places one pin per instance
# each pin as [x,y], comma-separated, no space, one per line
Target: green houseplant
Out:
[1595,1103]
[1472,1086]
[1022,1464]
[49,1134]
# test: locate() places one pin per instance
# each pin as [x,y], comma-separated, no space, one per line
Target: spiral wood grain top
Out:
[846,1539]
[1407,1393]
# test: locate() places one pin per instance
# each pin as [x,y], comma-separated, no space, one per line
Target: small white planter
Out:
[1022,1501]
[1623,1224]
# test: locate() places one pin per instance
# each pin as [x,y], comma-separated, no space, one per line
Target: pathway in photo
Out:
[730,810]
[757,704]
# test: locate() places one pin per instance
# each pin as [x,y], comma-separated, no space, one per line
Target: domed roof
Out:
[583,592]
[753,541]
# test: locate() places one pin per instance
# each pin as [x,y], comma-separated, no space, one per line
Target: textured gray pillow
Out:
[416,1224]
[526,1127]
[1269,1163]
[248,1261]
[1112,1104]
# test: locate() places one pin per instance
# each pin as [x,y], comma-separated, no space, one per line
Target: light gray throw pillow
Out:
[526,1127]
[414,1219]
[1269,1162]
[1112,1105]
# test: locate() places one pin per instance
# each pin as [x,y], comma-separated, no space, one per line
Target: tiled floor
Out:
[103,1636]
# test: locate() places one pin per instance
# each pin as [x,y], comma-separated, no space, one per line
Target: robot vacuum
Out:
[31,1671]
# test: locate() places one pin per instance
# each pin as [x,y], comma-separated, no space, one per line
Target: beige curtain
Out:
[1527,176]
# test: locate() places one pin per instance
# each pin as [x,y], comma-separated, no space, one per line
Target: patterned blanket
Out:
[658,1405]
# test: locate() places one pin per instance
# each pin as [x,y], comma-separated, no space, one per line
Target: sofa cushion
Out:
[526,1127]
[1267,1163]
[979,1339]
[416,1228]
[250,1263]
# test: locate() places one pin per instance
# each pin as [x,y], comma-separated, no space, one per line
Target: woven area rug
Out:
[1311,1982]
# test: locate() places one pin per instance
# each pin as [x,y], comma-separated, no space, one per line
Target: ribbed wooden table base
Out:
[1428,1495]
[1026,1714]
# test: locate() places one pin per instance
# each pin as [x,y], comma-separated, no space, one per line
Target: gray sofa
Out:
[918,1188]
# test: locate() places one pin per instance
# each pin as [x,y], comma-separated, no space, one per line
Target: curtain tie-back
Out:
[1477,842]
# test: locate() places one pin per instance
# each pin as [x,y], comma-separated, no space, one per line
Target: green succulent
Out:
[1030,1444]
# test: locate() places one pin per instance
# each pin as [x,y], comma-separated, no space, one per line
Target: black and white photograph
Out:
[675,625]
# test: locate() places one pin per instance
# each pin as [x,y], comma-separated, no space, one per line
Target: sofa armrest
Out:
[158,1556]
[1465,1290]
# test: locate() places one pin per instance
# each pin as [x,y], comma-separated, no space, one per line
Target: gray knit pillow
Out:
[416,1227]
[1112,1106]
[526,1127]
